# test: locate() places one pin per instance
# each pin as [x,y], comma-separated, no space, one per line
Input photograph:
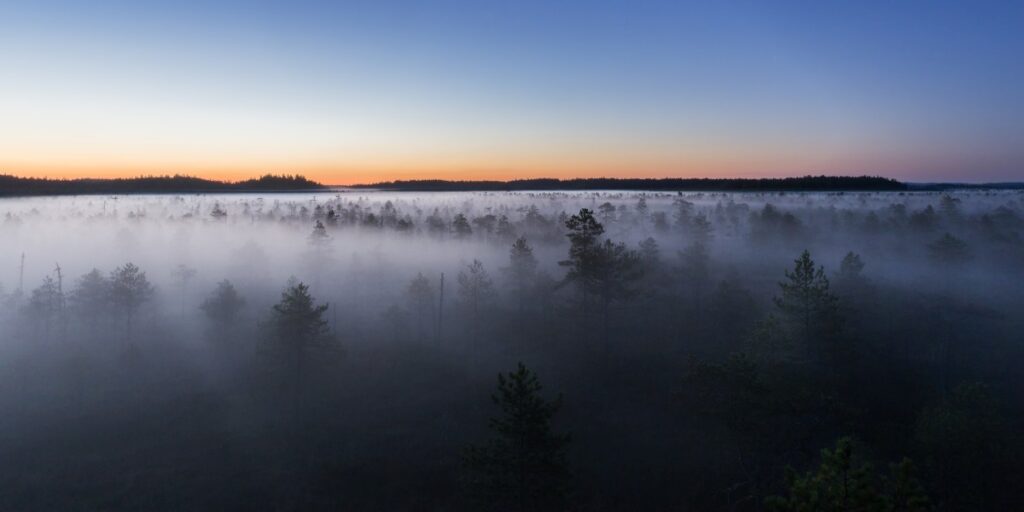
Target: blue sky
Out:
[351,91]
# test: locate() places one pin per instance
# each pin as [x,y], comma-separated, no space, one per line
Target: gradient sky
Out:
[350,92]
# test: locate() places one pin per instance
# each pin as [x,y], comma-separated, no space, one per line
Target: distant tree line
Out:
[809,183]
[177,184]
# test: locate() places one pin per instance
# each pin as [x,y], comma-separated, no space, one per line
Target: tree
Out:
[91,298]
[903,491]
[319,236]
[650,254]
[183,274]
[949,250]
[599,270]
[475,288]
[843,483]
[504,229]
[129,290]
[850,268]
[695,261]
[616,269]
[523,466]
[297,328]
[682,211]
[521,270]
[222,307]
[421,299]
[733,392]
[701,230]
[585,256]
[44,304]
[217,212]
[642,209]
[808,303]
[461,227]
[607,211]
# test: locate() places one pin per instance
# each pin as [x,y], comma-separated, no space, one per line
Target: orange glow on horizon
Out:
[343,176]
[464,168]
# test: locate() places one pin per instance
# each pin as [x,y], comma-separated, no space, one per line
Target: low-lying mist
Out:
[340,350]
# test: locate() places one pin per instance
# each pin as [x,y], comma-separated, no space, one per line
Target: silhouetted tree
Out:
[222,308]
[44,305]
[695,262]
[319,235]
[585,255]
[217,212]
[521,270]
[298,328]
[607,212]
[682,211]
[91,298]
[615,270]
[843,483]
[421,301]
[476,290]
[129,290]
[650,254]
[809,304]
[850,269]
[949,250]
[461,227]
[504,230]
[523,467]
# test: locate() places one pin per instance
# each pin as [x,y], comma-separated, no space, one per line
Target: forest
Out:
[512,351]
[16,186]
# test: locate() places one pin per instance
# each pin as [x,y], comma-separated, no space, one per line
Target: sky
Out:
[356,92]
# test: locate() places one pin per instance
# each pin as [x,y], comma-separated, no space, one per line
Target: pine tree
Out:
[695,262]
[224,304]
[585,255]
[521,270]
[476,290]
[850,268]
[44,305]
[809,304]
[903,491]
[129,290]
[421,301]
[650,254]
[843,483]
[523,467]
[319,236]
[504,229]
[298,328]
[91,299]
[461,227]
[222,308]
[839,484]
[617,267]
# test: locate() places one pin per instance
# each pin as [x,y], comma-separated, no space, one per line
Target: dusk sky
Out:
[348,92]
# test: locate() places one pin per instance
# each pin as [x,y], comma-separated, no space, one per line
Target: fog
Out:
[695,361]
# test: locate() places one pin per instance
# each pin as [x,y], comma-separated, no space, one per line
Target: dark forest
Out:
[519,351]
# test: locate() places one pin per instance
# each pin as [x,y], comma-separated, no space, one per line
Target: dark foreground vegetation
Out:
[525,352]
